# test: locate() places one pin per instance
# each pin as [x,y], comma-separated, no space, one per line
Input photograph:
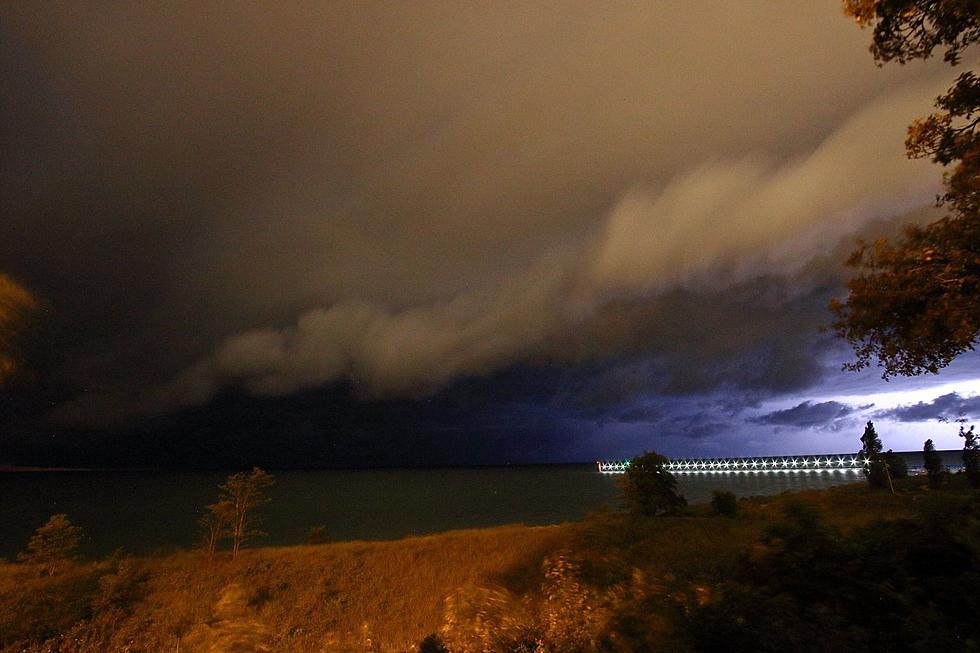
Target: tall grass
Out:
[611,582]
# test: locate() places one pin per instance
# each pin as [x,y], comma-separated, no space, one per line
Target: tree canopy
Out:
[648,488]
[15,304]
[53,544]
[915,302]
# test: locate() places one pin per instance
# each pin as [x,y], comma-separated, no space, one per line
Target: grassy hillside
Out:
[611,582]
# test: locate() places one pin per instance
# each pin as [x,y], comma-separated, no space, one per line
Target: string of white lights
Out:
[756,465]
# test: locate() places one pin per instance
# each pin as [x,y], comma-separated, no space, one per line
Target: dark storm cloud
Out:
[697,426]
[947,407]
[807,414]
[285,197]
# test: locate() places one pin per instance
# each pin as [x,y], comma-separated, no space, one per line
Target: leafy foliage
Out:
[568,618]
[933,464]
[648,488]
[724,503]
[53,544]
[235,516]
[905,585]
[432,644]
[911,29]
[15,304]
[971,456]
[896,465]
[915,304]
[876,469]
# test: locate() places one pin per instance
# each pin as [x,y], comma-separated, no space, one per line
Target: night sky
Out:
[349,234]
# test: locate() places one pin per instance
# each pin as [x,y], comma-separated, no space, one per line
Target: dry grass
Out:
[334,597]
[386,596]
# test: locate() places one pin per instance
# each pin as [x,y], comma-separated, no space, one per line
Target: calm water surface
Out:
[156,511]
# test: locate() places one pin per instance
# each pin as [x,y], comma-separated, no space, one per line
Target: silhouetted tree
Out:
[971,456]
[15,304]
[933,464]
[875,468]
[240,496]
[53,544]
[896,465]
[915,304]
[649,488]
[214,526]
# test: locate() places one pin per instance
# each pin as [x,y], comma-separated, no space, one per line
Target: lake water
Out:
[147,512]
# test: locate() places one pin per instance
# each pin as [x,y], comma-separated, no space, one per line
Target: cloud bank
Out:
[707,230]
[230,196]
[946,407]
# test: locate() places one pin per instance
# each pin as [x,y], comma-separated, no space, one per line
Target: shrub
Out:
[902,585]
[724,502]
[318,535]
[432,644]
[896,465]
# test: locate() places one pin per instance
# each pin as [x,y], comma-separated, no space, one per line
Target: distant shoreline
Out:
[28,468]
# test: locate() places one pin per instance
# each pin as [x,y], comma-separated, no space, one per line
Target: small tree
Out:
[875,468]
[896,465]
[971,456]
[933,464]
[240,496]
[648,488]
[214,526]
[53,544]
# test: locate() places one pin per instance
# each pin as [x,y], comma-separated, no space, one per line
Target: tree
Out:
[933,464]
[915,303]
[875,468]
[971,456]
[648,488]
[239,498]
[214,526]
[15,304]
[53,544]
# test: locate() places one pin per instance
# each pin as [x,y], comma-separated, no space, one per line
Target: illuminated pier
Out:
[759,465]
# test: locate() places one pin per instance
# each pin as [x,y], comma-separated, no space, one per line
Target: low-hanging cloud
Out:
[708,229]
[807,414]
[945,407]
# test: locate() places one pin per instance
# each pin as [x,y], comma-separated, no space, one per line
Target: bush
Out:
[432,644]
[896,465]
[902,585]
[724,502]
[318,535]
